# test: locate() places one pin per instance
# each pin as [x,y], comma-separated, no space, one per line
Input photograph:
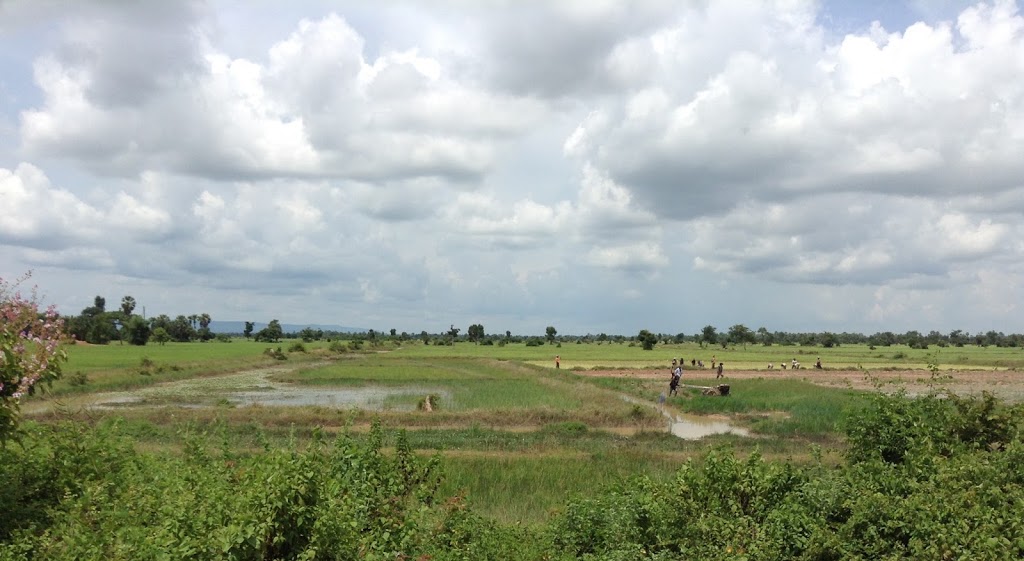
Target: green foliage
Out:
[272,333]
[914,489]
[647,339]
[137,330]
[277,353]
[897,429]
[91,496]
[927,477]
[31,353]
[160,336]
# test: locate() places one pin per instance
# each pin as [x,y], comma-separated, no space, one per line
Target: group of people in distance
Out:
[795,365]
[677,372]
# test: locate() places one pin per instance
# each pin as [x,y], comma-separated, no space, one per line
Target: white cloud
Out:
[414,165]
[317,107]
[38,215]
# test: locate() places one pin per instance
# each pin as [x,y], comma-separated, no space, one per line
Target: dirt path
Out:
[1007,384]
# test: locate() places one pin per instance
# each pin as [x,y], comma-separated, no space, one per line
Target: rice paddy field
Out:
[516,436]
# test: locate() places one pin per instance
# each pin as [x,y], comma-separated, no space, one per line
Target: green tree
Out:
[204,333]
[647,339]
[475,332]
[127,307]
[162,320]
[308,334]
[249,326]
[550,332]
[160,336]
[766,338]
[181,329]
[271,333]
[137,330]
[739,333]
[709,335]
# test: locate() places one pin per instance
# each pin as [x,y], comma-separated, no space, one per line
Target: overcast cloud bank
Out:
[577,164]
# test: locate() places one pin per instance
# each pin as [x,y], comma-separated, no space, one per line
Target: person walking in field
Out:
[677,374]
[721,366]
[558,362]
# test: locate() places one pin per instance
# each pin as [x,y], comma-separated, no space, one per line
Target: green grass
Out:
[517,435]
[779,408]
[621,355]
[118,367]
[514,489]
[807,409]
[472,383]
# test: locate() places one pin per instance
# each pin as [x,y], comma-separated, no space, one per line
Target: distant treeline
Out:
[97,325]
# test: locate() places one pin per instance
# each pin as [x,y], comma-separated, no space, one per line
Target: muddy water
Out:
[691,427]
[695,428]
[256,388]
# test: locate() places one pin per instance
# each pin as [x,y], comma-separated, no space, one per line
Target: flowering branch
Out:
[30,349]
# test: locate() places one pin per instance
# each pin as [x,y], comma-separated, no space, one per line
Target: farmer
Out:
[677,373]
[720,366]
[818,364]
[558,362]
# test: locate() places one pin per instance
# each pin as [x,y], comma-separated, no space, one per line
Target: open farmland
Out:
[339,450]
[516,434]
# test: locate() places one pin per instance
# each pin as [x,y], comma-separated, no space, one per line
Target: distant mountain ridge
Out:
[239,327]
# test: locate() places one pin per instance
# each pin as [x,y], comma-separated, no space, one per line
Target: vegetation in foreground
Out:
[934,477]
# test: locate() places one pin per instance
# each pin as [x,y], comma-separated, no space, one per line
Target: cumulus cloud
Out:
[422,165]
[316,107]
[839,239]
[783,113]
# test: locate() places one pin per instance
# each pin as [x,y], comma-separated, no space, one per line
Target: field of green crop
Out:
[517,436]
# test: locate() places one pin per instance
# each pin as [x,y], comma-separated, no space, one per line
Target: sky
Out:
[592,165]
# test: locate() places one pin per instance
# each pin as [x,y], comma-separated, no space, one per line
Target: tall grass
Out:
[519,489]
[806,409]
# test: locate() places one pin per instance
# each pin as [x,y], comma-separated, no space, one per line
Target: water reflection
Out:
[375,398]
[695,428]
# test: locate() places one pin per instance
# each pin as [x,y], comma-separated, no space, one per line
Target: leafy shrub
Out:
[277,353]
[297,347]
[348,500]
[567,428]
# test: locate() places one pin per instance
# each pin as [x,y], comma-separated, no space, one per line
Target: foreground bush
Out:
[935,477]
[346,500]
